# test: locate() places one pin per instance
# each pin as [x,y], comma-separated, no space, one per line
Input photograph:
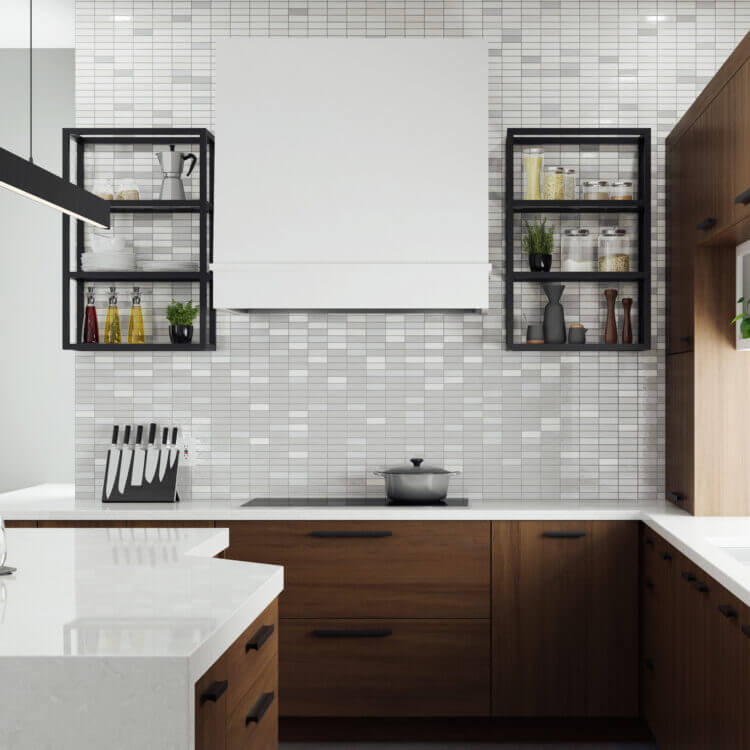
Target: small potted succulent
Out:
[538,243]
[743,318]
[181,316]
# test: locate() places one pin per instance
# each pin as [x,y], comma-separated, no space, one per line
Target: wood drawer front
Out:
[396,569]
[211,708]
[251,653]
[422,668]
[254,722]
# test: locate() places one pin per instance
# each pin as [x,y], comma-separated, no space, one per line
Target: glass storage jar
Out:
[533,159]
[553,184]
[596,190]
[570,183]
[578,251]
[615,250]
[622,190]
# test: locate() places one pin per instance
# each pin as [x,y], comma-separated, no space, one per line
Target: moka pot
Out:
[172,163]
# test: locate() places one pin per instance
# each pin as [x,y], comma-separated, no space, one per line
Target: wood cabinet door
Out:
[565,632]
[739,91]
[211,708]
[680,437]
[718,124]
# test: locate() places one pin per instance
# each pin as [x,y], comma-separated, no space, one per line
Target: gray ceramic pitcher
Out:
[554,316]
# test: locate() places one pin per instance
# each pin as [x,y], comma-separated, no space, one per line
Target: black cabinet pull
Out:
[214,691]
[727,610]
[686,339]
[649,541]
[257,711]
[689,577]
[700,586]
[350,534]
[676,497]
[666,556]
[707,223]
[746,630]
[564,534]
[352,633]
[743,197]
[649,584]
[255,643]
[649,665]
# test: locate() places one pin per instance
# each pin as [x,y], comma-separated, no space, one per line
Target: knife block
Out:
[162,490]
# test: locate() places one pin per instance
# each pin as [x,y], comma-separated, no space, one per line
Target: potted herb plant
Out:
[743,318]
[538,243]
[181,316]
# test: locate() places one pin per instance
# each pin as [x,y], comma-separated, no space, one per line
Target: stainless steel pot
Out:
[416,482]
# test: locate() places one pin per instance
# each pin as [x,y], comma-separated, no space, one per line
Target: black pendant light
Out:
[26,178]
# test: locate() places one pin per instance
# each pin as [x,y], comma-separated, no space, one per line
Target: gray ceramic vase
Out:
[554,316]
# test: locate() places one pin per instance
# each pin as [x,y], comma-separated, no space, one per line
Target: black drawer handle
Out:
[352,633]
[260,708]
[649,584]
[700,586]
[686,339]
[746,630]
[689,577]
[727,610]
[676,497]
[707,223]
[564,534]
[214,691]
[666,556]
[743,197]
[350,534]
[255,643]
[649,541]
[649,665]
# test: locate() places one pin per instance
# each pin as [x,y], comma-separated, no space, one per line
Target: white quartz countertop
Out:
[721,546]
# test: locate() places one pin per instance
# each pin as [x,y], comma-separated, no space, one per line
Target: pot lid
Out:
[416,466]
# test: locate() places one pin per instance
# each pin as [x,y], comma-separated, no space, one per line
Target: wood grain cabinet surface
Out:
[565,619]
[740,94]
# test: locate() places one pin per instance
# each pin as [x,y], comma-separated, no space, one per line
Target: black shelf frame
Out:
[204,206]
[641,139]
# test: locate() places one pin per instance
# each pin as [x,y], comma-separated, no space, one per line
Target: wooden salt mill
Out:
[627,330]
[610,332]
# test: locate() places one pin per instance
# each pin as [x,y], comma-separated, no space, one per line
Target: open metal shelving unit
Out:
[83,137]
[641,139]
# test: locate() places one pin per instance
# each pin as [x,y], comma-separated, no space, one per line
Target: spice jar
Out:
[570,183]
[533,159]
[128,191]
[615,250]
[596,190]
[103,190]
[577,251]
[622,190]
[553,184]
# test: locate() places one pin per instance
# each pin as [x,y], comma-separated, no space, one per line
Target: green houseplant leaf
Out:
[182,313]
[538,238]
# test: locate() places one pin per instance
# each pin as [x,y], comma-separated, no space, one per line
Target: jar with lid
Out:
[103,189]
[578,251]
[571,177]
[553,184]
[622,190]
[615,250]
[596,190]
[533,159]
[128,191]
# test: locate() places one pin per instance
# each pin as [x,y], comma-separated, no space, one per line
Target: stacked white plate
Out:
[109,254]
[168,265]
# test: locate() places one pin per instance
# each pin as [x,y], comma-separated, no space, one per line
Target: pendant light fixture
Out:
[26,178]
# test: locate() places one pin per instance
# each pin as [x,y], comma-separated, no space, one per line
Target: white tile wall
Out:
[310,403]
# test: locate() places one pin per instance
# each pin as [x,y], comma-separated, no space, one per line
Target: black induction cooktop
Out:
[349,502]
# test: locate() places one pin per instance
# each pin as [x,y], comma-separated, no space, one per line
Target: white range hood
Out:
[351,174]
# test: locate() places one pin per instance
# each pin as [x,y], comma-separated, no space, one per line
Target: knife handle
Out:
[151,433]
[139,434]
[174,436]
[126,437]
[115,433]
[164,435]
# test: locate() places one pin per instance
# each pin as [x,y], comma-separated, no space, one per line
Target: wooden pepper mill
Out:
[627,330]
[610,332]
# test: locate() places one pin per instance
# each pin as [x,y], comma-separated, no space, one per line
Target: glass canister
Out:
[533,159]
[571,177]
[622,190]
[615,250]
[553,184]
[578,251]
[596,190]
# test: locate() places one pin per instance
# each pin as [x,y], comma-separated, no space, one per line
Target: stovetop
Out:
[348,502]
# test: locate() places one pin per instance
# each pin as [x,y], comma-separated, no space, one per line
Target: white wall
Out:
[36,376]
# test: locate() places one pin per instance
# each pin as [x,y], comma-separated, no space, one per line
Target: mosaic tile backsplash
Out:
[311,403]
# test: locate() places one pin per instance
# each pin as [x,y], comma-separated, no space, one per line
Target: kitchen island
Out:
[104,634]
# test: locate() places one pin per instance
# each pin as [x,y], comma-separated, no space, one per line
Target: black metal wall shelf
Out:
[79,139]
[641,139]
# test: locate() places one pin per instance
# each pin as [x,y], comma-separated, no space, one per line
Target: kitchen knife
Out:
[139,458]
[112,458]
[152,454]
[127,455]
[163,453]
[174,450]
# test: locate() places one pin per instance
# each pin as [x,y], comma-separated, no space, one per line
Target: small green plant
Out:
[744,316]
[182,313]
[538,238]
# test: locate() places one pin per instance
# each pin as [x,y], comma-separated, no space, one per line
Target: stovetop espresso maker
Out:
[172,163]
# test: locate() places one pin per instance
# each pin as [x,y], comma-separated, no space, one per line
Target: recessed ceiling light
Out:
[655,19]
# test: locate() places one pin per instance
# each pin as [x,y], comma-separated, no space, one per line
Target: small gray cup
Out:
[577,335]
[535,334]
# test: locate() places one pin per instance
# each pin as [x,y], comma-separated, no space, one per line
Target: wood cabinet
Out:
[680,431]
[739,88]
[565,620]
[236,700]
